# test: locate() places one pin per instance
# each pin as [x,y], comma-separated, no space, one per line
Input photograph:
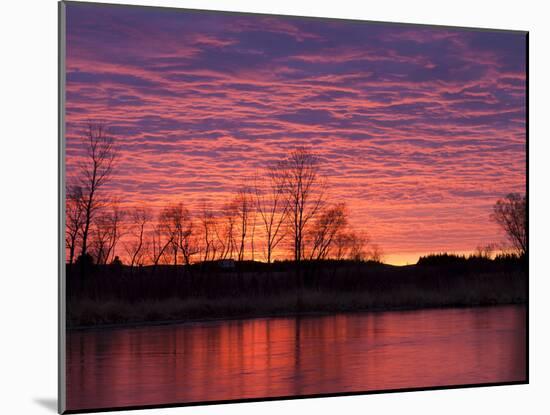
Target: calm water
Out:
[294,356]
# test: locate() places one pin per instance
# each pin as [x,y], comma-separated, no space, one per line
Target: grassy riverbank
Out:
[120,295]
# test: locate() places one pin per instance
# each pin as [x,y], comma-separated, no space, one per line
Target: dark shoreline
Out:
[113,296]
[153,323]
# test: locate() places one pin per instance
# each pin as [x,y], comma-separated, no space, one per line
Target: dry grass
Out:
[470,290]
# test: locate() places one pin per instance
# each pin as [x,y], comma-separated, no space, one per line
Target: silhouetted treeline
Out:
[283,212]
[463,263]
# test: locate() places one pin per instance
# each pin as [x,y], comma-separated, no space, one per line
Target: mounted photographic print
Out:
[259,207]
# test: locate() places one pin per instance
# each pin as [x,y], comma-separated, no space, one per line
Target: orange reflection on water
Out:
[276,357]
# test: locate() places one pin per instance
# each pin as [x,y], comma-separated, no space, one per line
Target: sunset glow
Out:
[419,130]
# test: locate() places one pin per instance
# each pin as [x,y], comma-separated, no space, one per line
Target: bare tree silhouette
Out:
[304,189]
[374,253]
[187,241]
[114,216]
[140,217]
[272,206]
[106,232]
[349,244]
[243,207]
[178,226]
[511,214]
[95,172]
[322,234]
[226,236]
[253,229]
[208,224]
[486,251]
[342,242]
[159,241]
[74,210]
[169,221]
[100,236]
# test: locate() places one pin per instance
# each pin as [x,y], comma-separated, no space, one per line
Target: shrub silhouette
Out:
[85,260]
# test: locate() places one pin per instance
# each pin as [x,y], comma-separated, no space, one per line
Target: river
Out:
[276,357]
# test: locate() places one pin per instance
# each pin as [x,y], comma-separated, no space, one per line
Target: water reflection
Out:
[294,356]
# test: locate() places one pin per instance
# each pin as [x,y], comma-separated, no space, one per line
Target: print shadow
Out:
[48,403]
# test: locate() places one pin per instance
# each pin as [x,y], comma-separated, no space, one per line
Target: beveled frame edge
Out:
[61,302]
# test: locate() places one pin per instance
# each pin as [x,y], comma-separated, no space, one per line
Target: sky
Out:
[418,129]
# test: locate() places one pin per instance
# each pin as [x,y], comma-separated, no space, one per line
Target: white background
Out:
[28,218]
